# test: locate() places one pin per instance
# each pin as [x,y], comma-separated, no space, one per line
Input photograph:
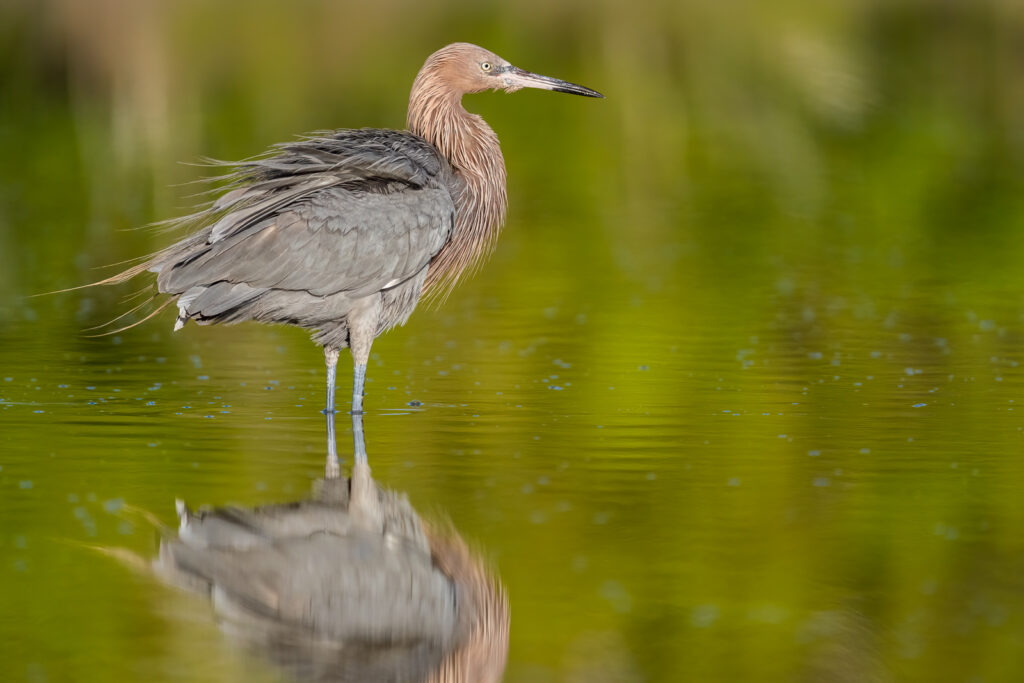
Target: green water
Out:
[739,397]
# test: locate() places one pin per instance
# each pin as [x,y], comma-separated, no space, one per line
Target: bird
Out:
[343,232]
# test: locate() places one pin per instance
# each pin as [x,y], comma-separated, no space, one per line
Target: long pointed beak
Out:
[516,78]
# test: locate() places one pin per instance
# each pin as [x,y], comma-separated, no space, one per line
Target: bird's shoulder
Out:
[334,174]
[354,154]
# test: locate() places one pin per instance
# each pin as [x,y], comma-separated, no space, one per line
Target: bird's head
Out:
[466,68]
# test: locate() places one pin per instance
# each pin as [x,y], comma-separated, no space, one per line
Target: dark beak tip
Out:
[587,92]
[584,92]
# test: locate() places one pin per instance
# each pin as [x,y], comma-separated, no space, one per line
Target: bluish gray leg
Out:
[333,469]
[358,440]
[362,328]
[331,356]
[358,380]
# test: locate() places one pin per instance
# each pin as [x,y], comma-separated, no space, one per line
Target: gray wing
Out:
[360,211]
[335,240]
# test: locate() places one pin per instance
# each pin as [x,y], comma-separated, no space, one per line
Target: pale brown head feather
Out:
[470,146]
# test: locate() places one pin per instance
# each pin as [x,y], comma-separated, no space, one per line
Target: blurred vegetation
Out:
[911,107]
[802,220]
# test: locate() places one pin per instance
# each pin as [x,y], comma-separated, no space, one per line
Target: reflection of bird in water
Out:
[342,232]
[348,586]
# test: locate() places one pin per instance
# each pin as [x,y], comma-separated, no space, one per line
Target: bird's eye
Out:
[486,66]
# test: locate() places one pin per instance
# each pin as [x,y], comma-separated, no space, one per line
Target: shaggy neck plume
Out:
[471,148]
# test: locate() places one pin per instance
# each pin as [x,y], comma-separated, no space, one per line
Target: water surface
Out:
[737,401]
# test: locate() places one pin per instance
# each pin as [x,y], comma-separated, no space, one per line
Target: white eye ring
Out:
[486,66]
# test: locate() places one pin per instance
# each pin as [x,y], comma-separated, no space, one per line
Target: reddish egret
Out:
[342,232]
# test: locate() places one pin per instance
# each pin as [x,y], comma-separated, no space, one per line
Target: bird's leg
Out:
[360,356]
[358,380]
[362,328]
[331,356]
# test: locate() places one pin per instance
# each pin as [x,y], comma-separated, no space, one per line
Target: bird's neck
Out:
[472,150]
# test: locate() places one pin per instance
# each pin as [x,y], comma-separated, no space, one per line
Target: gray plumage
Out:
[327,229]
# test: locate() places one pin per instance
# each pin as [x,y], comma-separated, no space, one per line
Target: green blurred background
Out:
[736,399]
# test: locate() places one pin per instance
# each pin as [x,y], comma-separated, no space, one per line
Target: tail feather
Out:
[115,279]
[154,260]
[126,313]
[137,322]
[127,298]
